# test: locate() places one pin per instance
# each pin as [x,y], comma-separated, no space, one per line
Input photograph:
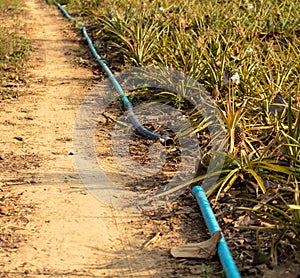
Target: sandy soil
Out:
[66,231]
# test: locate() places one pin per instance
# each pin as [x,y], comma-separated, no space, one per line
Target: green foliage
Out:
[212,41]
[202,38]
[10,4]
[283,219]
[135,37]
[288,137]
[13,47]
[205,39]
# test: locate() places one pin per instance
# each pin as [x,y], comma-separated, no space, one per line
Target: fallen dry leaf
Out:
[203,250]
[152,240]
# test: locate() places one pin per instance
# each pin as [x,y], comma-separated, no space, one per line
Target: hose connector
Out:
[166,140]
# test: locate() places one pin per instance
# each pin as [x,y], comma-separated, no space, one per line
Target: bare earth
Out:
[66,232]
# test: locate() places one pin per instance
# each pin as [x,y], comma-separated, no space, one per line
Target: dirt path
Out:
[68,232]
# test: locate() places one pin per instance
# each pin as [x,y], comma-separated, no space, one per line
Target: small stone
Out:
[4,210]
[19,138]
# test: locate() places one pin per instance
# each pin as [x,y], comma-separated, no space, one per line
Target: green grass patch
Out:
[10,4]
[13,48]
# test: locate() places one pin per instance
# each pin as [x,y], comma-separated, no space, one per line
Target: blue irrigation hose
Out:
[224,254]
[127,104]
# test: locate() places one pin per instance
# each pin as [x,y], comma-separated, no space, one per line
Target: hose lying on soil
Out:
[127,104]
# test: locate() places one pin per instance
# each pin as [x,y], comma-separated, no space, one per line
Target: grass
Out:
[214,42]
[10,4]
[13,48]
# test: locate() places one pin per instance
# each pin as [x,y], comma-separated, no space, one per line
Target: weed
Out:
[13,49]
[10,4]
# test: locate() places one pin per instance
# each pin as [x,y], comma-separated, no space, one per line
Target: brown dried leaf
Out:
[203,250]
[227,220]
[244,220]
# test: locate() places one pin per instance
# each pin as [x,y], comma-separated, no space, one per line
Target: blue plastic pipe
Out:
[127,104]
[224,254]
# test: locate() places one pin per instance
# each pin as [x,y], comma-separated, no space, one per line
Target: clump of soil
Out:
[13,218]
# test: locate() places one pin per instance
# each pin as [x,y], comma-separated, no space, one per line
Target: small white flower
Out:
[250,6]
[235,79]
[249,50]
[161,9]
